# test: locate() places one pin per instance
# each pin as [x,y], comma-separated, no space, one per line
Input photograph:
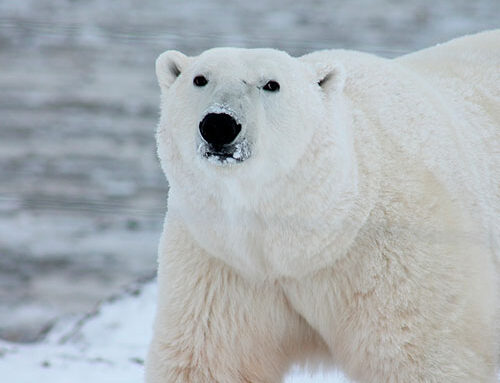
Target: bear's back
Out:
[467,66]
[467,72]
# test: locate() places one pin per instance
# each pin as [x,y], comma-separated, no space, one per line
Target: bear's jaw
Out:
[226,155]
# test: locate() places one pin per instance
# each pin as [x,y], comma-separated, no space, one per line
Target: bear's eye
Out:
[272,86]
[200,81]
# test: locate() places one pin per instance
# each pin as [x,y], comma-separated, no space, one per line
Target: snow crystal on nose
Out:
[241,150]
[222,109]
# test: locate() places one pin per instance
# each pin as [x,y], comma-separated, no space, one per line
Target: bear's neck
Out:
[317,211]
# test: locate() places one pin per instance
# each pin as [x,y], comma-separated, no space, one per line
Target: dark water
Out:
[82,197]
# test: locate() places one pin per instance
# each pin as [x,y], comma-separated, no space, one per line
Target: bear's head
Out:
[241,113]
[258,151]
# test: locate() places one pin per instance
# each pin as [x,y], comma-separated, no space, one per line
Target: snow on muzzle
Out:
[222,139]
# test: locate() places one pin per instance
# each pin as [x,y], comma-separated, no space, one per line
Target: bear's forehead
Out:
[244,60]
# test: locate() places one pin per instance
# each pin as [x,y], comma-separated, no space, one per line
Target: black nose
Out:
[219,129]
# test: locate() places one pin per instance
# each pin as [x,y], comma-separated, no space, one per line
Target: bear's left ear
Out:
[169,66]
[330,76]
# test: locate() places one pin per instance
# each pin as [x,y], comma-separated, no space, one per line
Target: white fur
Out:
[363,229]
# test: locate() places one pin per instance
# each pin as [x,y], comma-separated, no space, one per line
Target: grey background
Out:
[82,197]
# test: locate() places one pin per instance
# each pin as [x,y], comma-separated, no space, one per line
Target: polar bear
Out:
[337,207]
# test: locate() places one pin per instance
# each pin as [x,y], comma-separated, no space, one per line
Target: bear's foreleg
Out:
[214,326]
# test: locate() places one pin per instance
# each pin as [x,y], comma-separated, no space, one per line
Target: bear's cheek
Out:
[178,135]
[286,138]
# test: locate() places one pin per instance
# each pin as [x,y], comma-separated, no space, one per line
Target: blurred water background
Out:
[82,197]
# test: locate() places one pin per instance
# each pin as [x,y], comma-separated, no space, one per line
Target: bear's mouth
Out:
[225,154]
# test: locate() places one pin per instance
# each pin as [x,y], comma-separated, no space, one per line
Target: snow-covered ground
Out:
[108,345]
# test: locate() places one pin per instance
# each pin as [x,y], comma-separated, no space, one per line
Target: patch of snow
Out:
[108,345]
[242,150]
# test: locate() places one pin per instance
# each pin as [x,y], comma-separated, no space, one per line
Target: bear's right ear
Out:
[169,66]
[330,76]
